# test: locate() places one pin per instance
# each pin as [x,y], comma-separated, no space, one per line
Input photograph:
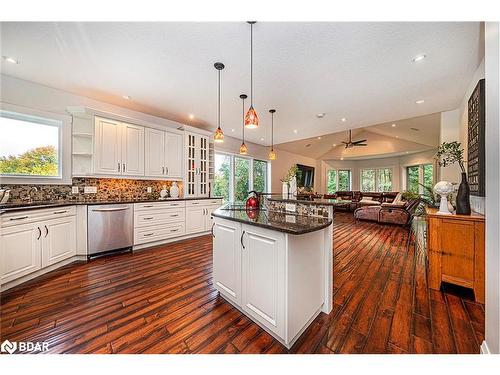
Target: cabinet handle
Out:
[47,233]
[174,215]
[60,212]
[148,206]
[119,167]
[148,218]
[123,167]
[174,230]
[18,218]
[212,230]
[39,233]
[166,169]
[148,234]
[241,239]
[162,170]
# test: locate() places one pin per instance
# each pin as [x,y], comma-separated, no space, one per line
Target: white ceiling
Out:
[383,140]
[361,71]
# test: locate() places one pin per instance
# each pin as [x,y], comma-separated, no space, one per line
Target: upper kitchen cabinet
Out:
[164,155]
[119,148]
[197,162]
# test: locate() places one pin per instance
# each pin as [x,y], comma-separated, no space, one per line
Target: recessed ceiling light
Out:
[126,97]
[10,59]
[341,158]
[343,119]
[420,101]
[295,131]
[393,125]
[334,144]
[262,139]
[418,58]
[320,115]
[191,116]
[232,130]
[319,137]
[407,152]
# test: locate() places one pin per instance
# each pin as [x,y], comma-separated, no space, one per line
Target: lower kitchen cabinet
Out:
[227,260]
[199,215]
[21,251]
[35,239]
[59,240]
[249,270]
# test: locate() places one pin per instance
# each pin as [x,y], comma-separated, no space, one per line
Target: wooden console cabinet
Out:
[456,251]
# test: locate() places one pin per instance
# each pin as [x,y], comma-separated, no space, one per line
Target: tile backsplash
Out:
[107,189]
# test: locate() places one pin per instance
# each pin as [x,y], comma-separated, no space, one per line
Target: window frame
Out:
[63,123]
[420,175]
[376,177]
[251,159]
[337,170]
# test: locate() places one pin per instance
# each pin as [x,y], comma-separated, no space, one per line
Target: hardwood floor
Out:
[162,301]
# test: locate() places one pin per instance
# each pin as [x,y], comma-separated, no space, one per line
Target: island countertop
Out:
[274,220]
[318,201]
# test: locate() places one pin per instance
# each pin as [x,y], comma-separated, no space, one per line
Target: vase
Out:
[174,190]
[284,190]
[463,197]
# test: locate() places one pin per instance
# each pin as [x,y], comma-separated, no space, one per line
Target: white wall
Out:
[450,132]
[492,189]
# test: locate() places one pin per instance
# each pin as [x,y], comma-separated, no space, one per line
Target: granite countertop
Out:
[274,220]
[11,207]
[319,201]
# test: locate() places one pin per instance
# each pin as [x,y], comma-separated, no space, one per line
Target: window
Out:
[331,182]
[30,146]
[235,176]
[222,176]
[379,179]
[344,183]
[420,178]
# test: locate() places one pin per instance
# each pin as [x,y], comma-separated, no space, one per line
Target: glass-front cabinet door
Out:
[203,169]
[191,165]
[197,165]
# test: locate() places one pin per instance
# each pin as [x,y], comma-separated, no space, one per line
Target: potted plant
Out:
[450,153]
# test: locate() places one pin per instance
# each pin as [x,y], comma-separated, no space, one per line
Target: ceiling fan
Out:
[351,144]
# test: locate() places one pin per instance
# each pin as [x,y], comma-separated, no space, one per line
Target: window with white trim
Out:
[376,179]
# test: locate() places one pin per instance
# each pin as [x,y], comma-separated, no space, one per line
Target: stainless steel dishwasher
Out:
[109,227]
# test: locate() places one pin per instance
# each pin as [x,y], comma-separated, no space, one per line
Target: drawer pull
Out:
[60,212]
[148,206]
[148,218]
[174,215]
[174,230]
[39,233]
[147,234]
[19,218]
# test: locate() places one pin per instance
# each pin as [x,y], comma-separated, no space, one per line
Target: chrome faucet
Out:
[29,197]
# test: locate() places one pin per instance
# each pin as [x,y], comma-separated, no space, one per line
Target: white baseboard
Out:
[484,348]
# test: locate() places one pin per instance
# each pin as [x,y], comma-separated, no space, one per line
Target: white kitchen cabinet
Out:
[174,152]
[34,239]
[263,276]
[227,259]
[58,240]
[108,150]
[132,150]
[195,219]
[119,148]
[155,153]
[197,155]
[20,250]
[164,154]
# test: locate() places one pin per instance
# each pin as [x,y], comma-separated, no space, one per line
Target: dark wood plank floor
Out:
[162,301]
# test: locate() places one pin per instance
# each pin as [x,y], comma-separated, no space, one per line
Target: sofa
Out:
[397,212]
[362,199]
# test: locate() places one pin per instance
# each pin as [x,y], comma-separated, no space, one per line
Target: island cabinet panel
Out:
[456,251]
[263,276]
[227,260]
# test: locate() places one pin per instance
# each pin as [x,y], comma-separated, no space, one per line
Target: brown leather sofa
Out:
[361,199]
[389,213]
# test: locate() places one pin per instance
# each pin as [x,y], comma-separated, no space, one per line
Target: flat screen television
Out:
[305,176]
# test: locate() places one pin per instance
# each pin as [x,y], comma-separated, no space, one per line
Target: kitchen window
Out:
[338,180]
[236,175]
[30,146]
[376,179]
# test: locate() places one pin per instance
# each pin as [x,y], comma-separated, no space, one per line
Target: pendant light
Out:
[219,134]
[272,153]
[251,118]
[243,147]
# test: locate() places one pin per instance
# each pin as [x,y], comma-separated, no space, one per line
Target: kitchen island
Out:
[275,266]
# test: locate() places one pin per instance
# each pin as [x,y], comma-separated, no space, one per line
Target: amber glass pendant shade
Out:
[272,154]
[219,135]
[243,149]
[251,119]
